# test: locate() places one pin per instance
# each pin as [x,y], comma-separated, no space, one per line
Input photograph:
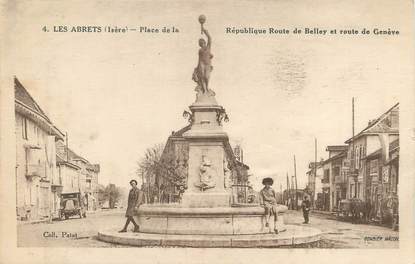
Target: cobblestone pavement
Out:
[336,234]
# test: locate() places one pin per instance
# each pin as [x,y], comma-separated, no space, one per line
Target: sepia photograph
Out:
[168,126]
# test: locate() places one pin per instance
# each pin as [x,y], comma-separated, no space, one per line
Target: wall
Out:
[70,178]
[32,193]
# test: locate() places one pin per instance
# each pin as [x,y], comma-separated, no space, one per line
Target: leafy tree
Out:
[110,193]
[160,167]
[148,167]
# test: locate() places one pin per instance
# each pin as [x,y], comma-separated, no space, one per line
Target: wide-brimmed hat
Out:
[268,180]
[136,183]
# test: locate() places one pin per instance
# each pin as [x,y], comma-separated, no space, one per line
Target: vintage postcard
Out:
[207,131]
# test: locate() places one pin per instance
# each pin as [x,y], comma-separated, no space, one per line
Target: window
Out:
[356,158]
[336,171]
[360,157]
[359,154]
[326,178]
[24,128]
[89,184]
[373,167]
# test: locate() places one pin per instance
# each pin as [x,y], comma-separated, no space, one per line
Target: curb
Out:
[34,222]
[292,238]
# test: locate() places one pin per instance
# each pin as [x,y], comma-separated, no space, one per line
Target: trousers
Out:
[305,214]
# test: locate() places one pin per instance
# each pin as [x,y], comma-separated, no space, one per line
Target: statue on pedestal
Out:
[201,73]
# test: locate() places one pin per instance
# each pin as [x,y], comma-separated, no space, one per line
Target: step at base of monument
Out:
[292,236]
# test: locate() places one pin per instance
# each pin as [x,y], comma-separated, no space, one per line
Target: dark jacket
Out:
[135,198]
[305,205]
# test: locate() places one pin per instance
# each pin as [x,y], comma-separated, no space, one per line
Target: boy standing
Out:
[269,201]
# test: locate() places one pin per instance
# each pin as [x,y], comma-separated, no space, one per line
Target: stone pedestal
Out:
[206,157]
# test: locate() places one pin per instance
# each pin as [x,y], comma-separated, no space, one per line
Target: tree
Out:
[149,166]
[163,170]
[110,193]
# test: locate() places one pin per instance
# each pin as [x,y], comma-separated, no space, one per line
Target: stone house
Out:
[78,175]
[37,181]
[44,167]
[325,186]
[69,171]
[382,179]
[314,187]
[378,135]
[334,177]
[91,188]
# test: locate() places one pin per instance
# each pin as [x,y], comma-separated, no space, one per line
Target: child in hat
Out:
[269,201]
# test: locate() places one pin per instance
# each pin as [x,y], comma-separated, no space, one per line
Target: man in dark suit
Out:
[306,209]
[135,199]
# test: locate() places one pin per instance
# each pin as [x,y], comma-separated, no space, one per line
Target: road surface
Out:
[76,232]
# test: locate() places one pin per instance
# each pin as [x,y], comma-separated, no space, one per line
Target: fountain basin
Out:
[174,219]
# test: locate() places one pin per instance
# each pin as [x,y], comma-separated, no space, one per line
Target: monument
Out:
[206,215]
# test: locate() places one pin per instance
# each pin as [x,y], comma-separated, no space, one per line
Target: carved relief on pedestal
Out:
[207,175]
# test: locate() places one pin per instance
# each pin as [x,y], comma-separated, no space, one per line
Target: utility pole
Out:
[296,187]
[288,189]
[293,192]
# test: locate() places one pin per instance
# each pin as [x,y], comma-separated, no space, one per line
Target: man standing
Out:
[135,199]
[306,209]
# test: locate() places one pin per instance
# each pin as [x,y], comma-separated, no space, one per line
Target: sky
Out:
[116,94]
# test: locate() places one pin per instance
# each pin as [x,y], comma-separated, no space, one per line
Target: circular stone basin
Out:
[174,219]
[294,236]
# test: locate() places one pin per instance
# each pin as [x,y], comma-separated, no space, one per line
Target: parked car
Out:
[72,204]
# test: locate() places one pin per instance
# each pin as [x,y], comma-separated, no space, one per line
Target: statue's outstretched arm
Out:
[209,42]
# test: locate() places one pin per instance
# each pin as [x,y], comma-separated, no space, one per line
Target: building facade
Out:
[78,175]
[44,169]
[374,140]
[314,186]
[36,175]
[367,169]
[382,183]
[334,179]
